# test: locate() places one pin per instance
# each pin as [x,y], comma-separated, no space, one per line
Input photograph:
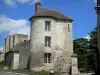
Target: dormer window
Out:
[47,25]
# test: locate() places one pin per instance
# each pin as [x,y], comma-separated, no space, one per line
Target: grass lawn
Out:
[25,71]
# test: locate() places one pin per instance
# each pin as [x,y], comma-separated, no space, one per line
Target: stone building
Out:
[51,43]
[12,40]
[15,48]
[50,46]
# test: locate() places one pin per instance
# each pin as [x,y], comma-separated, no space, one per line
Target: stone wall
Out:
[1,56]
[16,43]
[74,64]
[6,44]
[15,64]
[19,37]
[24,55]
[63,62]
[18,57]
[11,42]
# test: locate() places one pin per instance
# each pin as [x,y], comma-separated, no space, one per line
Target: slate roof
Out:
[51,13]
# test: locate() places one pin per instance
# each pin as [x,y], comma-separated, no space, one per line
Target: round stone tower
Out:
[51,42]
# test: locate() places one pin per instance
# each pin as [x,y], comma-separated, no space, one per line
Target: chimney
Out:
[37,7]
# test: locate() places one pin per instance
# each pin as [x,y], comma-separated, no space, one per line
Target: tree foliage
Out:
[81,49]
[86,50]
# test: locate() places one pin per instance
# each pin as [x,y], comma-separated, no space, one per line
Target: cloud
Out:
[12,3]
[12,26]
[87,37]
[34,1]
[1,49]
[22,1]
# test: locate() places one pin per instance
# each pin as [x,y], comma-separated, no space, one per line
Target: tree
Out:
[87,51]
[93,40]
[81,46]
[93,48]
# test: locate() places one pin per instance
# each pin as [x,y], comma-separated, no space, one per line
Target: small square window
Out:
[47,25]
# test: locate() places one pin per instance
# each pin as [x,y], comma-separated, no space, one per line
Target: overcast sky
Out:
[15,14]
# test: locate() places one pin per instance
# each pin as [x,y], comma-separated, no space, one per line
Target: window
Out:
[68,28]
[47,57]
[47,41]
[47,25]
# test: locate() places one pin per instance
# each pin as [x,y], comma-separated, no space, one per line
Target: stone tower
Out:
[98,33]
[51,44]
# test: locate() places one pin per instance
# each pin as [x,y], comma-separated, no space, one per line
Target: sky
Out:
[15,14]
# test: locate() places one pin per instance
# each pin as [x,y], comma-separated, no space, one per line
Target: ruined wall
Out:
[19,37]
[6,44]
[11,40]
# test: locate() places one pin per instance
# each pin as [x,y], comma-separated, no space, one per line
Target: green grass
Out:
[15,70]
[25,71]
[29,72]
[1,65]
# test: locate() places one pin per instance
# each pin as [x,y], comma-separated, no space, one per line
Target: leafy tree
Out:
[81,46]
[87,51]
[93,55]
[93,40]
